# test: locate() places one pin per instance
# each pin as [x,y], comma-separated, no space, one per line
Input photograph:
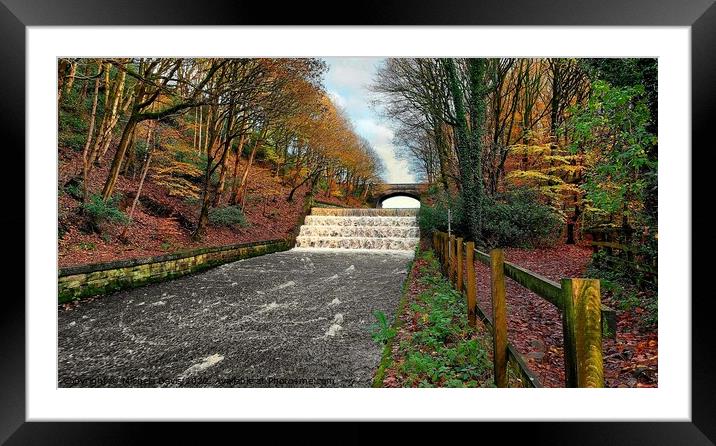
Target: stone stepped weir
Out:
[324,220]
[366,212]
[373,229]
[359,231]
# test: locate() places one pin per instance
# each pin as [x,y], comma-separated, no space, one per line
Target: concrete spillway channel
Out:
[298,318]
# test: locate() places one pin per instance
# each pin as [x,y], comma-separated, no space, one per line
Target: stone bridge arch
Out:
[382,191]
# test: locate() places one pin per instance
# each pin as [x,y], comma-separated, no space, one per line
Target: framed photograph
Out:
[256,214]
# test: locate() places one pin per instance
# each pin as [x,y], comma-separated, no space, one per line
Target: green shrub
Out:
[192,201]
[72,122]
[197,160]
[228,216]
[515,218]
[518,219]
[100,211]
[322,184]
[72,126]
[617,286]
[267,153]
[70,100]
[435,218]
[74,141]
[74,189]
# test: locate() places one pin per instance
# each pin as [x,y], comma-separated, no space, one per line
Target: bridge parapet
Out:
[383,191]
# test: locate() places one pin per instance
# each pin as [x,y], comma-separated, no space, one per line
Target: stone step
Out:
[326,220]
[365,212]
[383,243]
[359,231]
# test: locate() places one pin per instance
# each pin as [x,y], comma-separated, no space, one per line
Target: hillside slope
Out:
[163,223]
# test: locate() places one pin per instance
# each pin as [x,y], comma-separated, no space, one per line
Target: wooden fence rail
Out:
[584,319]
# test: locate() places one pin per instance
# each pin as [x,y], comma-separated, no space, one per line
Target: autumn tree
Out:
[198,126]
[154,76]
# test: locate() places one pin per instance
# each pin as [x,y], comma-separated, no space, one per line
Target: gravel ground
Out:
[297,318]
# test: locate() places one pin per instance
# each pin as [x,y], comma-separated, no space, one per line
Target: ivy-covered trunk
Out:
[468,140]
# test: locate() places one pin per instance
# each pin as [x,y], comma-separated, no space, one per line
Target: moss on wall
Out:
[102,278]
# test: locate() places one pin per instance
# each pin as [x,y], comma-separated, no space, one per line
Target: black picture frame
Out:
[16,15]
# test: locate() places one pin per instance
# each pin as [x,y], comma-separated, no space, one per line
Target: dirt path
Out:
[535,326]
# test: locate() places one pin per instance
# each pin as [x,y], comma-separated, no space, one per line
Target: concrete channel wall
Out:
[100,278]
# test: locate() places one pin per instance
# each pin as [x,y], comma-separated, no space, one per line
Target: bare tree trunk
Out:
[554,107]
[118,158]
[86,161]
[110,118]
[204,213]
[83,92]
[241,197]
[71,77]
[209,116]
[62,65]
[150,129]
[211,138]
[366,189]
[235,181]
[107,72]
[145,170]
[224,156]
[196,116]
[296,169]
[222,179]
[199,146]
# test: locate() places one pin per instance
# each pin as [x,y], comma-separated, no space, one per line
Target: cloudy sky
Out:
[347,83]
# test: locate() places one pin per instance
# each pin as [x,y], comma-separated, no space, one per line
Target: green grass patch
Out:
[386,359]
[439,348]
[87,246]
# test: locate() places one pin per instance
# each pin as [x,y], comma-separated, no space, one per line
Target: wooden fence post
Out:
[582,329]
[437,245]
[451,258]
[458,265]
[499,316]
[445,253]
[471,287]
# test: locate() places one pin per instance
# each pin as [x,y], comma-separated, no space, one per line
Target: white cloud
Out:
[337,99]
[354,105]
[354,73]
[381,138]
[347,83]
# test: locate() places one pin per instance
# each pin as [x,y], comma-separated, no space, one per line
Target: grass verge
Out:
[387,357]
[430,343]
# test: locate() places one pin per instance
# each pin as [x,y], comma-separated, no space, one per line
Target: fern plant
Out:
[100,211]
[381,332]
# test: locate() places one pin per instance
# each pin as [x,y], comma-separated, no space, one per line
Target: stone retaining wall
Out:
[100,278]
